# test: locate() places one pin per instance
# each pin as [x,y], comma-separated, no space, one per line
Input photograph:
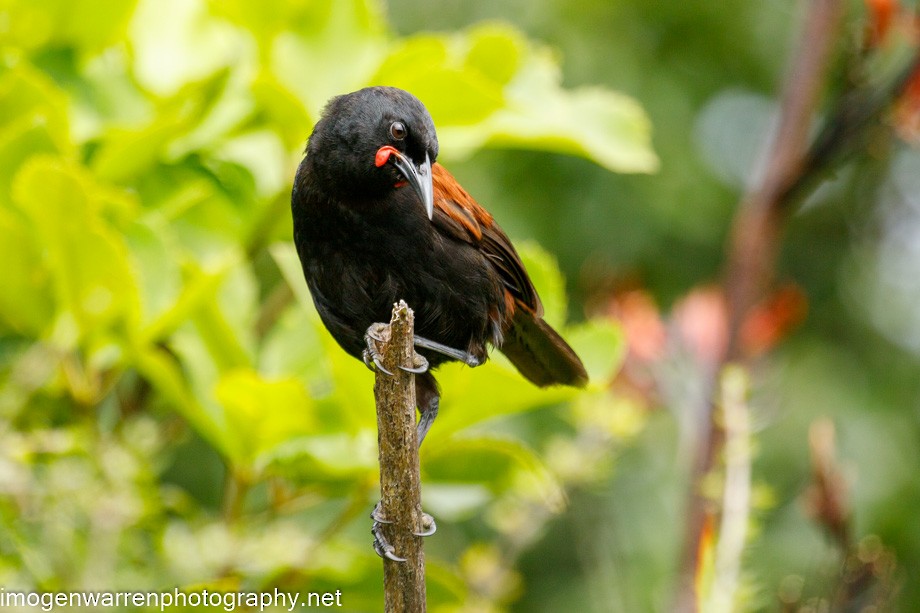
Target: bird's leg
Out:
[458,354]
[373,360]
[429,399]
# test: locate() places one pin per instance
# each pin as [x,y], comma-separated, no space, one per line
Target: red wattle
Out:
[383,155]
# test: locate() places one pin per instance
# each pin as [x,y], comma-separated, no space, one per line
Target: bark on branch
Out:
[400,484]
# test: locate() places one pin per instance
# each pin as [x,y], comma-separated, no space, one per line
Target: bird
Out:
[376,219]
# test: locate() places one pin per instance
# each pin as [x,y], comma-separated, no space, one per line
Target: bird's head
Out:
[373,141]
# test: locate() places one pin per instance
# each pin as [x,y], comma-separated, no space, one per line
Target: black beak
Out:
[419,178]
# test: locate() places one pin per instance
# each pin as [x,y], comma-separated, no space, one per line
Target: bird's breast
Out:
[358,265]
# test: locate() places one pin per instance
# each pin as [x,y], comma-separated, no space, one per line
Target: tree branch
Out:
[755,238]
[400,484]
[752,251]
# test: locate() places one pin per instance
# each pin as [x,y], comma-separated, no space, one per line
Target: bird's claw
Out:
[371,356]
[382,547]
[373,362]
[429,527]
[419,366]
[377,515]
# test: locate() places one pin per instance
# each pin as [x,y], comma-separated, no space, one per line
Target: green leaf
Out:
[471,396]
[262,153]
[438,73]
[158,271]
[282,110]
[336,50]
[502,463]
[261,413]
[285,256]
[265,20]
[225,324]
[86,24]
[608,128]
[293,346]
[92,24]
[206,208]
[33,120]
[601,346]
[489,87]
[126,153]
[198,287]
[27,92]
[496,51]
[223,341]
[175,42]
[350,384]
[19,141]
[88,261]
[25,302]
[543,270]
[166,377]
[455,501]
[330,456]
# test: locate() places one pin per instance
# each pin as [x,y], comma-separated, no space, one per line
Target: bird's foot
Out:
[419,365]
[374,360]
[371,355]
[382,545]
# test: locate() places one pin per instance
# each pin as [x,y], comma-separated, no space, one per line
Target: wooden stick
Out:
[400,483]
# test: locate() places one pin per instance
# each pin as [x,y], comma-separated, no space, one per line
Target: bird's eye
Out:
[398,130]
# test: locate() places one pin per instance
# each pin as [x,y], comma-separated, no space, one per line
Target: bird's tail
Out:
[540,354]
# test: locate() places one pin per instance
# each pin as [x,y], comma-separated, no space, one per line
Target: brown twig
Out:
[755,238]
[400,483]
[867,567]
[753,248]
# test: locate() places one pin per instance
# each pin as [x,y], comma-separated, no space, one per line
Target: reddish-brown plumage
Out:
[451,199]
[455,203]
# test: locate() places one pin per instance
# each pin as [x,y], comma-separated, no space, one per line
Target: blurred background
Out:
[172,412]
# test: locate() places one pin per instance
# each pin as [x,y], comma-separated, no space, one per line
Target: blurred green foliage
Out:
[172,411]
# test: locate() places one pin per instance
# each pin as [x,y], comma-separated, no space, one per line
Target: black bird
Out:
[376,220]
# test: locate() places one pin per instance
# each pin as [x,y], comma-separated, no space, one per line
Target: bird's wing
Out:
[457,215]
